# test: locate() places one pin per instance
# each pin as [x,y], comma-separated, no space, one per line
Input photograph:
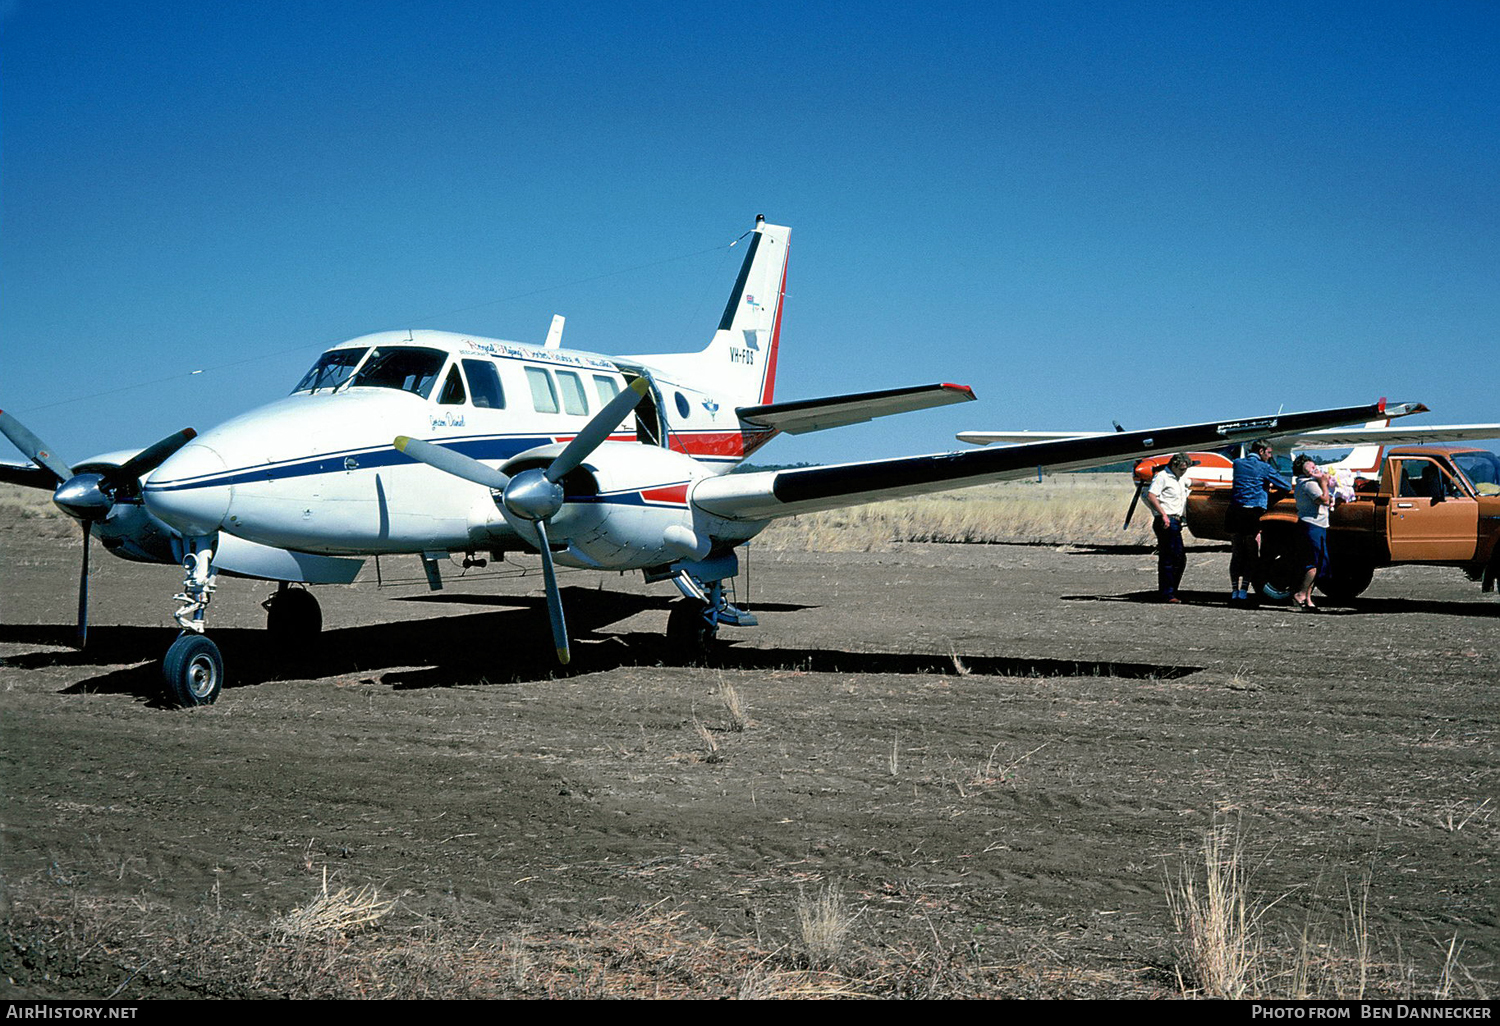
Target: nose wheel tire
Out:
[193,671]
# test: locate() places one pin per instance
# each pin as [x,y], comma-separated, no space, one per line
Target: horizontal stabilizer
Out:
[804,415]
[778,493]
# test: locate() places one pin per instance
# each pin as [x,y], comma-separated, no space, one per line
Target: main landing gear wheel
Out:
[689,629]
[193,671]
[293,616]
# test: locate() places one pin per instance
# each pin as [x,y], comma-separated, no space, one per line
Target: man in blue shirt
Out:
[1254,477]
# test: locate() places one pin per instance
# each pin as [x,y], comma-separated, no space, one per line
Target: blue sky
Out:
[1151,213]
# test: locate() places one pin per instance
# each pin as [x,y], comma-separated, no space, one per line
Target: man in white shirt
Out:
[1167,498]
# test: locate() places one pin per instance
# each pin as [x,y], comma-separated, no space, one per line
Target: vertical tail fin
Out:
[739,363]
[744,348]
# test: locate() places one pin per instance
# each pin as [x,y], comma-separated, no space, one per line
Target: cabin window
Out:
[407,368]
[574,401]
[606,388]
[543,392]
[484,384]
[332,370]
[682,406]
[453,389]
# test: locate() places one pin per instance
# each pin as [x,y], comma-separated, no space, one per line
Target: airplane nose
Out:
[190,491]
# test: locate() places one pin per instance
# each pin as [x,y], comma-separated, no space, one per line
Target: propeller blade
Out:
[597,430]
[149,458]
[1130,511]
[451,462]
[83,590]
[34,448]
[554,598]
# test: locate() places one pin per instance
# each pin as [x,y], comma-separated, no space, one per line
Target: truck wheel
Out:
[1279,571]
[1349,578]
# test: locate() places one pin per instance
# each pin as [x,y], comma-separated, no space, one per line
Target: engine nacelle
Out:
[626,507]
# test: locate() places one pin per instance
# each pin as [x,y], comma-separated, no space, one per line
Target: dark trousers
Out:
[1171,557]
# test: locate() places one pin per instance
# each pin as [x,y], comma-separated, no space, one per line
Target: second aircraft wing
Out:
[770,494]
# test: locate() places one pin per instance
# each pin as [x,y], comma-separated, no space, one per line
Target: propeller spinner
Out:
[88,497]
[536,495]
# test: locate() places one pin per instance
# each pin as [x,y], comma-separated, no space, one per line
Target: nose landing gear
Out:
[193,668]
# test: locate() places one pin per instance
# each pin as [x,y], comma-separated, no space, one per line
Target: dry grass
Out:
[342,912]
[734,706]
[33,507]
[1218,926]
[1076,509]
[823,925]
[1227,947]
[711,750]
[68,944]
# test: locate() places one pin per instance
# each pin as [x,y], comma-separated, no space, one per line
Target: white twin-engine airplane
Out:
[431,443]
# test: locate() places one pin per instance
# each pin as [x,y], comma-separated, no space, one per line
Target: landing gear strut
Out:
[193,669]
[693,624]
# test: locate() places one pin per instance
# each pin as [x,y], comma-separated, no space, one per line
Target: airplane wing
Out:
[1017,437]
[28,475]
[804,415]
[1338,438]
[770,494]
[1378,433]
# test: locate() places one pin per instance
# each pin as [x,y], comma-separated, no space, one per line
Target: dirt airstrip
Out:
[992,765]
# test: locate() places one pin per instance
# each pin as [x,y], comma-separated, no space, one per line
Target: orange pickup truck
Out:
[1437,505]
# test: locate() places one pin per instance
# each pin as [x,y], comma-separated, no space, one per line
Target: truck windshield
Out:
[332,370]
[408,368]
[1482,469]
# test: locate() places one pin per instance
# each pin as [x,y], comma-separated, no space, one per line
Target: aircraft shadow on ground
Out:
[491,646]
[1358,607]
[496,647]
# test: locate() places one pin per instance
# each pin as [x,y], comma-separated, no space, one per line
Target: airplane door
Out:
[1430,518]
[650,426]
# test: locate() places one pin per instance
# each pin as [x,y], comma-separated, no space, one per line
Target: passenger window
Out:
[484,382]
[606,388]
[543,393]
[1421,479]
[574,401]
[453,389]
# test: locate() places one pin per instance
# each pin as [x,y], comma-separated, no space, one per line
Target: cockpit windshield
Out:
[408,368]
[332,370]
[1482,469]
